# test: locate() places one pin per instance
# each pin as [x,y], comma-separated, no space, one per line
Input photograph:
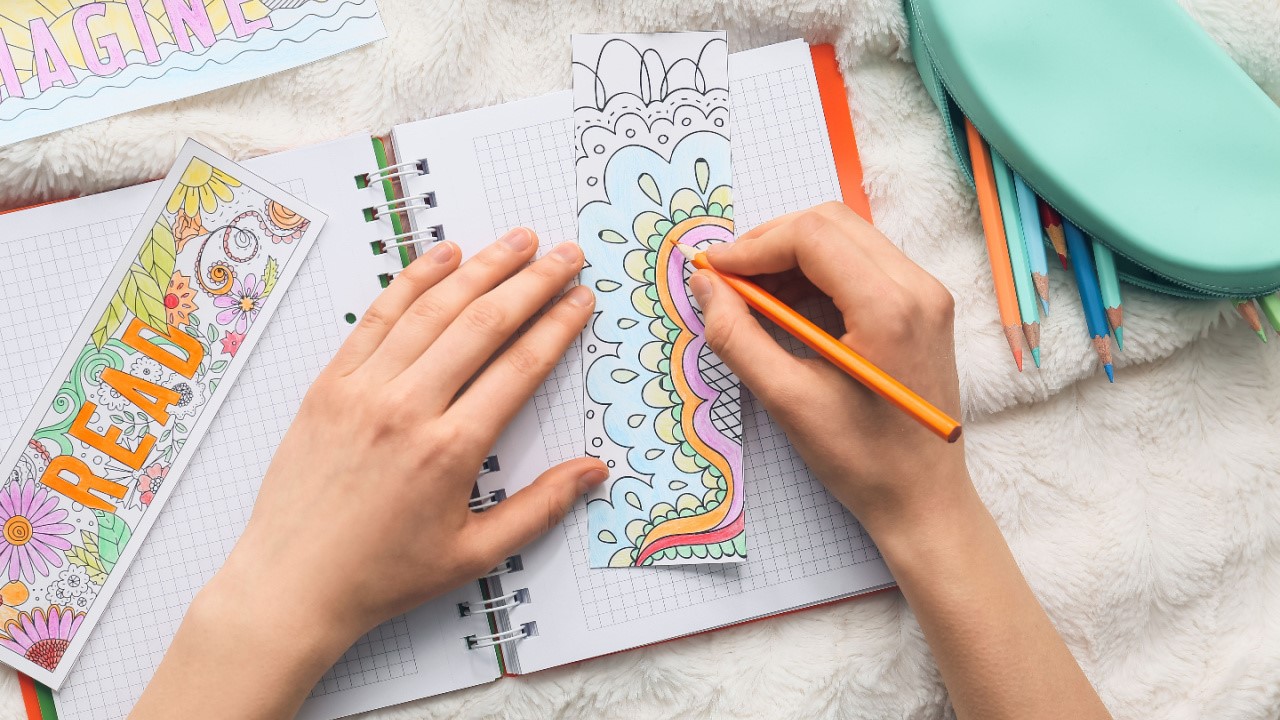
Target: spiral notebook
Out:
[465,177]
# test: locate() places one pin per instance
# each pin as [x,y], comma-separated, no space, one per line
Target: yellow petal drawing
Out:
[200,188]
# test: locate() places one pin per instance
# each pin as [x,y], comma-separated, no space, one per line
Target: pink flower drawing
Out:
[242,304]
[42,637]
[231,343]
[149,483]
[31,527]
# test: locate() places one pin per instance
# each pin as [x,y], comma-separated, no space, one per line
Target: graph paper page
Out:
[62,252]
[495,168]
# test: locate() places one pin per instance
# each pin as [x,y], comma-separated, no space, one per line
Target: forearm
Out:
[999,655]
[241,653]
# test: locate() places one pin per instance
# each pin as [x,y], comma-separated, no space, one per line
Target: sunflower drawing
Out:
[200,188]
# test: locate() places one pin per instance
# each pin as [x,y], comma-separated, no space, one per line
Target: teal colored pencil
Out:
[1110,283]
[1271,308]
[1033,238]
[1090,295]
[1022,282]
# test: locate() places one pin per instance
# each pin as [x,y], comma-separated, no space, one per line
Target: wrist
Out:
[927,529]
[295,632]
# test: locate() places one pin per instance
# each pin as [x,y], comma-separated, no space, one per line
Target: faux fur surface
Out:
[1146,515]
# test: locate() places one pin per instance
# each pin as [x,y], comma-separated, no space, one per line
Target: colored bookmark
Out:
[1033,239]
[1053,228]
[1110,284]
[1090,294]
[1023,285]
[1271,308]
[1249,311]
[997,249]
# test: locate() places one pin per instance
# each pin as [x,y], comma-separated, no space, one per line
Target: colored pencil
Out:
[997,248]
[1053,228]
[1249,311]
[1090,294]
[840,355]
[1023,285]
[1033,238]
[1109,281]
[1271,308]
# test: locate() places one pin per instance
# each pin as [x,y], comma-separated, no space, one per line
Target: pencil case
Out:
[1128,119]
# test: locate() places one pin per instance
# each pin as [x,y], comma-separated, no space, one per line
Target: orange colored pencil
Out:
[840,355]
[997,249]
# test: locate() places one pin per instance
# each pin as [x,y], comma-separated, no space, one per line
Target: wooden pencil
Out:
[1033,238]
[1053,228]
[997,248]
[1109,281]
[1023,284]
[1271,308]
[1090,294]
[1249,311]
[839,354]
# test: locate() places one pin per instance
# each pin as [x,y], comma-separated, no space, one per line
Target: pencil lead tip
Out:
[1111,372]
[1063,259]
[1262,334]
[1035,355]
[1119,331]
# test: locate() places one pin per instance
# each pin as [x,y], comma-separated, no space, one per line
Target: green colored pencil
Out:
[1271,308]
[1110,283]
[1023,283]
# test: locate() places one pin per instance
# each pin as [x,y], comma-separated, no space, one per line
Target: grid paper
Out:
[202,520]
[37,269]
[795,529]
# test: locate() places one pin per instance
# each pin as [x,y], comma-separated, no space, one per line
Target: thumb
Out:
[531,512]
[738,338]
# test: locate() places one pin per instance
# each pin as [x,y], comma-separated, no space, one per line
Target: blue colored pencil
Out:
[1090,294]
[1033,236]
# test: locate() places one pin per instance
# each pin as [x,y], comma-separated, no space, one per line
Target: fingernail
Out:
[713,250]
[441,253]
[517,238]
[567,252]
[580,296]
[591,478]
[701,288]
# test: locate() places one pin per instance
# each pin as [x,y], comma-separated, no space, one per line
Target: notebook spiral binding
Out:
[495,603]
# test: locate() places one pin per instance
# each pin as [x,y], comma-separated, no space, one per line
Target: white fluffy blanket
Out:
[1146,515]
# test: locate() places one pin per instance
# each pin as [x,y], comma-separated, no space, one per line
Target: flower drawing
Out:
[186,227]
[144,368]
[42,636]
[179,300]
[150,482]
[32,530]
[241,305]
[231,343]
[200,188]
[12,595]
[282,217]
[105,396]
[74,588]
[191,396]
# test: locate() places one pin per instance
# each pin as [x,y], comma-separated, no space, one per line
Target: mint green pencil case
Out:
[1128,119]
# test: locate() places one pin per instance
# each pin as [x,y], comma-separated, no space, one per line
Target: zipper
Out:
[1192,291]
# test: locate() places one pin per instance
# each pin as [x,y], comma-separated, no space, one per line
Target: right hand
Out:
[880,463]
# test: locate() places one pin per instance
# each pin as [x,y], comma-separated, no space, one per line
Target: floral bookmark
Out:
[651,114]
[132,396]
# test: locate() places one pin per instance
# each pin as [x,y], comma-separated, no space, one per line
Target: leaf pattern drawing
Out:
[652,121]
[106,450]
